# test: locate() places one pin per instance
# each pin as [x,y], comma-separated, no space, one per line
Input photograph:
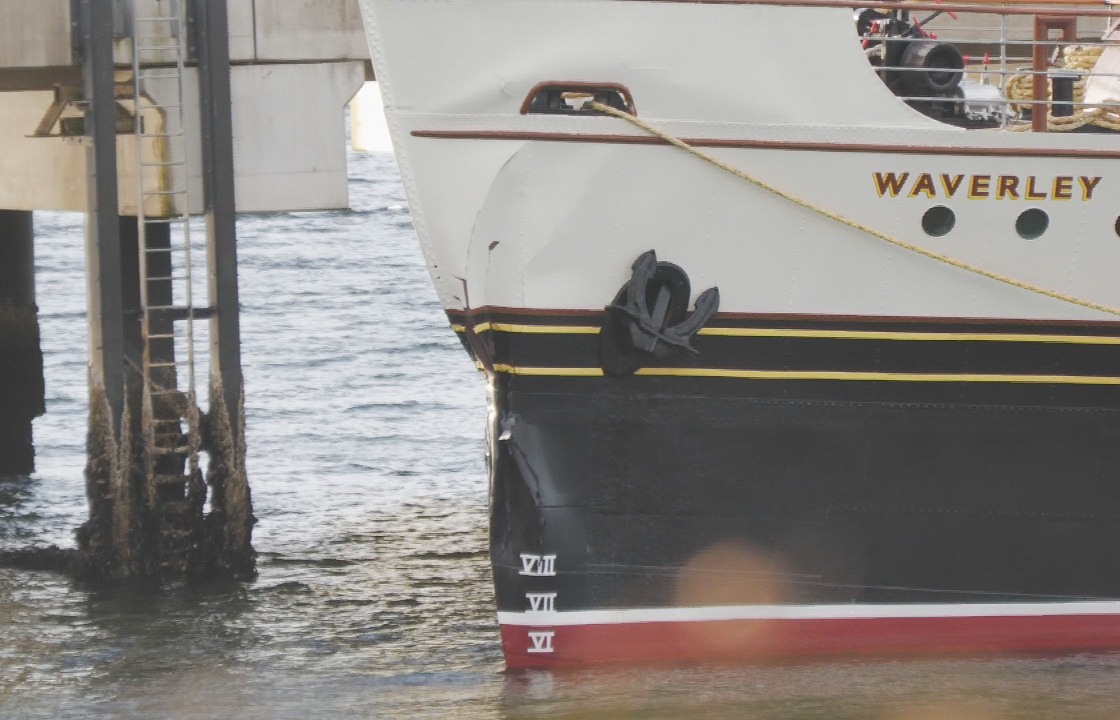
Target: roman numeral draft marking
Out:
[538,565]
[542,641]
[541,602]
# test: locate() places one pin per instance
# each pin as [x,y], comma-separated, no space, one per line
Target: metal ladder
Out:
[167,267]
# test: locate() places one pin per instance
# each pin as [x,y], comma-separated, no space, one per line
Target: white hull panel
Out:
[555,222]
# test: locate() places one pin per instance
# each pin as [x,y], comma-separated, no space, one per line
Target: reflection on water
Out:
[362,624]
[977,689]
[365,425]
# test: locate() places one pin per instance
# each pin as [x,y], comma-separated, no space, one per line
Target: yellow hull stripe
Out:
[816,375]
[820,334]
[918,336]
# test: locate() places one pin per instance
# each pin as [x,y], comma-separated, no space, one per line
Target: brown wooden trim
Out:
[475,313]
[796,145]
[484,313]
[1084,8]
[1040,61]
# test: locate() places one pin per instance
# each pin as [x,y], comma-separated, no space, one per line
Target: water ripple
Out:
[374,598]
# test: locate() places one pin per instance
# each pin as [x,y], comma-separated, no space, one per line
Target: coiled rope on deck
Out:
[855,224]
[1077,59]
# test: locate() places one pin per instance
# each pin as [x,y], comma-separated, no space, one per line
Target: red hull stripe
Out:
[557,639]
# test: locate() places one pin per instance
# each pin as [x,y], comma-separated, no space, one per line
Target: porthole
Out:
[1032,223]
[938,221]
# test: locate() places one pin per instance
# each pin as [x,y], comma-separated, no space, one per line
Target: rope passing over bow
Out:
[897,242]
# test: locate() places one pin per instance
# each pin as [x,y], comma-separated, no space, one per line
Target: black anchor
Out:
[647,318]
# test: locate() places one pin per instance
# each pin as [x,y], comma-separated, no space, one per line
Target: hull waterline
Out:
[790,353]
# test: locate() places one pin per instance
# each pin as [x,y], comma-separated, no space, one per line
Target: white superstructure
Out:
[527,210]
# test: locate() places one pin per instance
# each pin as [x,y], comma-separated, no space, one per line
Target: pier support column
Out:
[21,360]
[231,514]
[147,496]
[108,541]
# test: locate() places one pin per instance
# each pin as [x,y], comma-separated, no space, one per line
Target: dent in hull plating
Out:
[787,471]
[900,432]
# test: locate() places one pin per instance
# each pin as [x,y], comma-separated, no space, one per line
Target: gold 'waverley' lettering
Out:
[985,187]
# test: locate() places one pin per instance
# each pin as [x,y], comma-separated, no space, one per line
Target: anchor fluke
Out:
[649,318]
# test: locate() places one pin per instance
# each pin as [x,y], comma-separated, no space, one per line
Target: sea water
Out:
[374,600]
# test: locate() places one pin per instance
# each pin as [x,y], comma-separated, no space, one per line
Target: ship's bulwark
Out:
[826,485]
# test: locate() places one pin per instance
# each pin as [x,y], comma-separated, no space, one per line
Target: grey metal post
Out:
[212,34]
[230,499]
[103,252]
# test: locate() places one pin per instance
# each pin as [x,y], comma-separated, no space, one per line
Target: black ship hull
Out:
[803,485]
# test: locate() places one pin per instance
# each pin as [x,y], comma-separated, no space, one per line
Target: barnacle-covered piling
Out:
[142,523]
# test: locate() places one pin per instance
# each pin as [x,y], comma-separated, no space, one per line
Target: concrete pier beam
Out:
[21,359]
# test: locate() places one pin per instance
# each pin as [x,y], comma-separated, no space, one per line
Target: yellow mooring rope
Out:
[844,220]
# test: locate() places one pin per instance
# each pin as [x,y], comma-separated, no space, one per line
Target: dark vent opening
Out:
[568,98]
